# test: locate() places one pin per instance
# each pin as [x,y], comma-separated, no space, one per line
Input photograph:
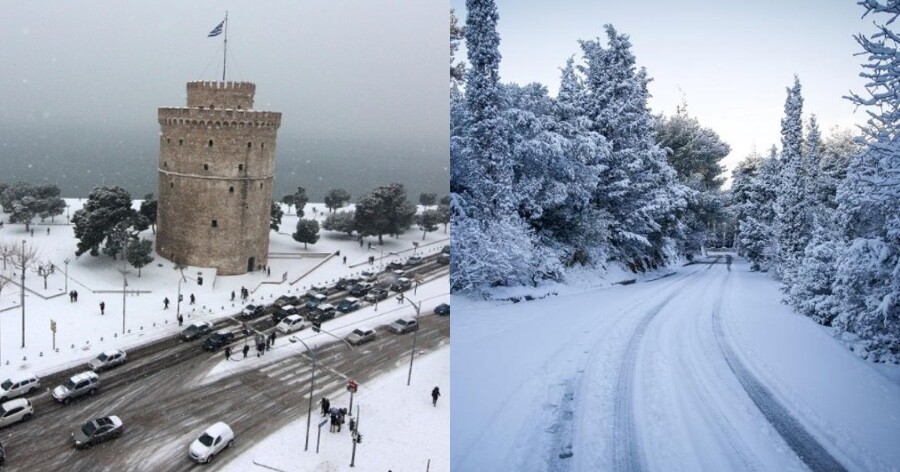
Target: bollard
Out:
[24,358]
[129,331]
[142,328]
[115,335]
[41,354]
[73,346]
[101,339]
[154,324]
[57,350]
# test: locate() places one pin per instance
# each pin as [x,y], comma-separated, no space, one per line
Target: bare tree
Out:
[7,250]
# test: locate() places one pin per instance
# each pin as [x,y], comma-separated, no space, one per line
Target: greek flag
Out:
[217,30]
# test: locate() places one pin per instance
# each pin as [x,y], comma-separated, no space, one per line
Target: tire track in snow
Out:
[627,453]
[807,448]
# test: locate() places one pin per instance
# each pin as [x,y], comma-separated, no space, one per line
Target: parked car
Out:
[79,385]
[211,442]
[369,275]
[404,325]
[401,284]
[394,265]
[346,283]
[396,274]
[107,360]
[14,411]
[323,312]
[283,312]
[2,454]
[315,300]
[252,311]
[290,324]
[19,384]
[443,309]
[218,340]
[361,335]
[348,304]
[286,300]
[413,261]
[195,330]
[97,431]
[443,259]
[360,289]
[446,249]
[376,294]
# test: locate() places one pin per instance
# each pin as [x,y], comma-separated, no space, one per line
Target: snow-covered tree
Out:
[139,253]
[867,282]
[336,198]
[385,210]
[25,201]
[307,232]
[343,221]
[106,215]
[793,215]
[757,213]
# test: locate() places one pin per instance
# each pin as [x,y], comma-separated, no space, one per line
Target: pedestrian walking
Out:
[193,299]
[352,425]
[71,296]
[48,230]
[268,271]
[272,337]
[246,350]
[345,260]
[166,303]
[180,320]
[435,393]
[32,232]
[326,405]
[400,299]
[102,308]
[76,296]
[227,353]
[232,295]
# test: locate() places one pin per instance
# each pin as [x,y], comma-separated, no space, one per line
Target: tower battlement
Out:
[218,118]
[220,95]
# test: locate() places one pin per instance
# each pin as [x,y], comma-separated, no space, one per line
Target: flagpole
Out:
[225,50]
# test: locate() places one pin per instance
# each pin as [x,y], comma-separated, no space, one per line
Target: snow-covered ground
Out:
[82,332]
[702,370]
[400,428]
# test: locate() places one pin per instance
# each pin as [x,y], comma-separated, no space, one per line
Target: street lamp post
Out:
[312,385]
[66,262]
[22,293]
[412,353]
[124,278]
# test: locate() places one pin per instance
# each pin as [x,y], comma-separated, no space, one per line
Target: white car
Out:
[216,438]
[19,384]
[404,325]
[14,411]
[290,324]
[361,335]
[107,360]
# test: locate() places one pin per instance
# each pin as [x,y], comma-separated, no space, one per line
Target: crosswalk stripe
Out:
[276,365]
[299,373]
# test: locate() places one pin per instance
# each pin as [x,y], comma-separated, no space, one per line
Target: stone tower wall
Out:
[216,166]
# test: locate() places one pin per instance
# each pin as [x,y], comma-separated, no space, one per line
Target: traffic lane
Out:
[164,411]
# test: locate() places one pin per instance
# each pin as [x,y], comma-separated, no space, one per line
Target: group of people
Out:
[245,294]
[73,296]
[337,415]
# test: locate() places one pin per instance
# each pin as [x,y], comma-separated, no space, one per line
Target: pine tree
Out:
[757,224]
[793,218]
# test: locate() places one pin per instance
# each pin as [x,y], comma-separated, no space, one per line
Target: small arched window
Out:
[262,145]
[230,189]
[215,223]
[260,185]
[249,145]
[168,140]
[165,164]
[171,185]
[205,166]
[240,166]
[210,143]
[180,142]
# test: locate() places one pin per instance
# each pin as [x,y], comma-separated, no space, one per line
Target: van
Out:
[19,384]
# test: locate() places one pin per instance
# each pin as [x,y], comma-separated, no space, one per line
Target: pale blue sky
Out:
[731,59]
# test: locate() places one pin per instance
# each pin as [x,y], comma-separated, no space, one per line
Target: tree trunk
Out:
[139,272]
[380,241]
[424,232]
[304,246]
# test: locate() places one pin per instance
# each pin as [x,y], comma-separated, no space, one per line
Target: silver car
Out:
[107,360]
[361,335]
[85,383]
[404,325]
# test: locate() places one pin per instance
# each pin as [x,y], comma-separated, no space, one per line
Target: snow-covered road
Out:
[702,370]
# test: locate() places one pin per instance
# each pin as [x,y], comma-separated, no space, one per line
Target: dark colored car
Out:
[376,294]
[443,259]
[218,340]
[344,284]
[286,300]
[360,289]
[323,312]
[443,309]
[401,284]
[348,304]
[97,431]
[195,330]
[446,249]
[252,311]
[395,265]
[283,312]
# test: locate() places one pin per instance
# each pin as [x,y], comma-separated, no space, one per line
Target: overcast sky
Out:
[731,60]
[349,76]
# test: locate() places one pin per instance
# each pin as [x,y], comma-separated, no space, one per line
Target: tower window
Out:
[240,166]
[262,145]
[210,143]
[260,185]
[180,142]
[171,185]
[205,166]
[168,140]
[230,189]
[165,164]
[249,145]
[215,223]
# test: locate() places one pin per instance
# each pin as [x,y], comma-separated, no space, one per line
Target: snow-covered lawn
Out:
[400,428]
[637,375]
[82,332]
